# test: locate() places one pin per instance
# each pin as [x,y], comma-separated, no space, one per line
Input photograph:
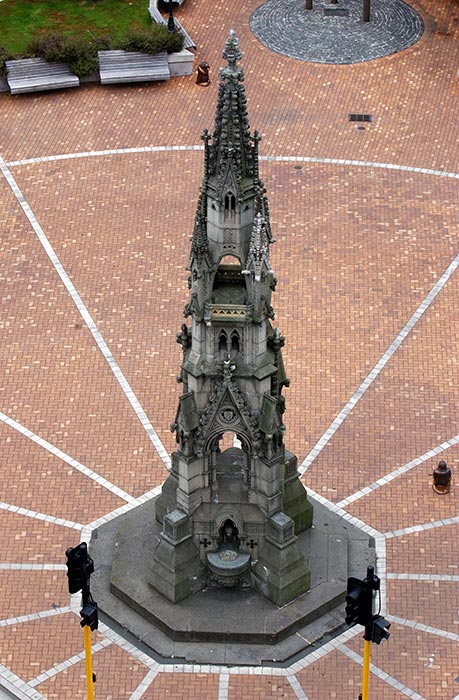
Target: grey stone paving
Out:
[285,26]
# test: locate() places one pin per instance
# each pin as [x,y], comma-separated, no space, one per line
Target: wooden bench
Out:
[132,66]
[158,18]
[33,74]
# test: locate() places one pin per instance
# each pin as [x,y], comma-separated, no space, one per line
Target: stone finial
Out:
[231,51]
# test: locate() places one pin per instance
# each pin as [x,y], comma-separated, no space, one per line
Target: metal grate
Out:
[360,117]
[336,12]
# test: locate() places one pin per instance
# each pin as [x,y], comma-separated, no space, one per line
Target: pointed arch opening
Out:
[229,206]
[229,465]
[229,286]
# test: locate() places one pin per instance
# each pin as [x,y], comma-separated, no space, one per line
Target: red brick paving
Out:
[406,656]
[117,676]
[35,646]
[434,603]
[28,592]
[32,476]
[358,249]
[413,404]
[26,540]
[183,686]
[409,499]
[336,677]
[425,552]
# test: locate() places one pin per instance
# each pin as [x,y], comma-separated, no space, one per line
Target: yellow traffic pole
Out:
[87,649]
[366,668]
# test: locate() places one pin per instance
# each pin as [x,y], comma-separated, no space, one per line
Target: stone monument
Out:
[230,517]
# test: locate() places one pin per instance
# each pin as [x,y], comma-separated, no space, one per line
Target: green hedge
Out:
[80,53]
[153,40]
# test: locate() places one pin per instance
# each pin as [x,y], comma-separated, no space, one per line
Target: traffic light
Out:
[89,615]
[380,629]
[80,567]
[359,602]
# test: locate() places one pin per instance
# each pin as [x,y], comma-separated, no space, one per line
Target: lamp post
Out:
[170,22]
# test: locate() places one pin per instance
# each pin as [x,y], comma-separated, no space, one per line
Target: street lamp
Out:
[171,28]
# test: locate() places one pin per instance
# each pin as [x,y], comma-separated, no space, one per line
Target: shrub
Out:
[5,55]
[78,52]
[152,40]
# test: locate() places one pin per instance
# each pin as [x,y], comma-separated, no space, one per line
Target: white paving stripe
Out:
[34,616]
[390,680]
[17,687]
[64,665]
[399,471]
[382,362]
[279,159]
[422,527]
[40,516]
[296,687]
[423,577]
[423,628]
[105,350]
[66,458]
[223,686]
[143,686]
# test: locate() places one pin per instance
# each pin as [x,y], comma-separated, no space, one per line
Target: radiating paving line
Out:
[382,362]
[399,471]
[40,516]
[17,687]
[66,458]
[5,566]
[143,686]
[423,628]
[423,577]
[64,665]
[34,616]
[422,527]
[223,686]
[89,529]
[296,687]
[279,159]
[105,350]
[100,154]
[390,680]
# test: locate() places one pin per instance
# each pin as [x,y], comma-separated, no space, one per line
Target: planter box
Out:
[180,63]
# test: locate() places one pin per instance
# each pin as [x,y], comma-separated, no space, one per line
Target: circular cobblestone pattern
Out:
[335,33]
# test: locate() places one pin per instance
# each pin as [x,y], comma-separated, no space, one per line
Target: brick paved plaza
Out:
[98,193]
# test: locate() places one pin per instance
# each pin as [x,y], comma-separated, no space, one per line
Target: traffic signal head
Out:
[89,615]
[79,566]
[359,602]
[380,629]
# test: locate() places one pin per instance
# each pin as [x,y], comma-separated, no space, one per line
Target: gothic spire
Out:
[231,153]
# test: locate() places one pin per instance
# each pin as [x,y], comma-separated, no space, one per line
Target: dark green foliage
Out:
[78,52]
[4,56]
[152,40]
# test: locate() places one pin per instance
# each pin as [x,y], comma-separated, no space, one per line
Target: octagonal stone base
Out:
[226,625]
